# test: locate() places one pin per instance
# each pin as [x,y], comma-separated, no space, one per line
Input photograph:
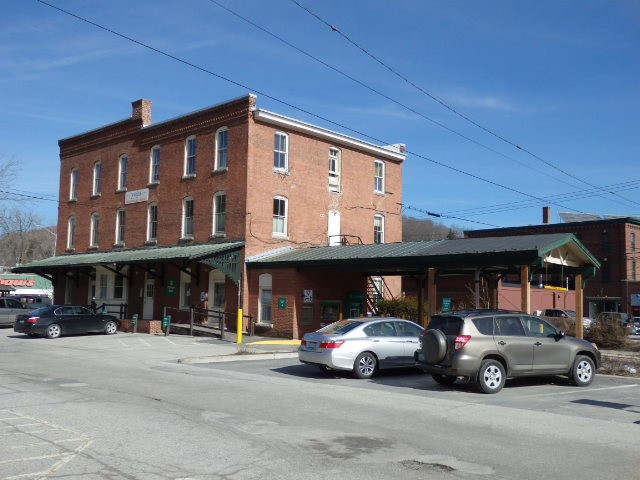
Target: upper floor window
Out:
[334,169]
[95,230]
[219,213]
[281,152]
[123,172]
[97,178]
[187,218]
[222,142]
[121,218]
[606,271]
[606,241]
[154,168]
[280,216]
[378,179]
[190,152]
[634,268]
[152,223]
[73,184]
[632,242]
[378,229]
[71,233]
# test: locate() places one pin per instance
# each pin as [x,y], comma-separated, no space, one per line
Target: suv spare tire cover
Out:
[434,346]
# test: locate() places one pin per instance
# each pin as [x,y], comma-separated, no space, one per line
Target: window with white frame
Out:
[185,290]
[97,179]
[123,172]
[378,179]
[190,152]
[71,233]
[378,229]
[95,229]
[219,213]
[121,220]
[281,152]
[118,286]
[187,218]
[73,184]
[280,216]
[154,166]
[152,223]
[265,292]
[222,154]
[334,169]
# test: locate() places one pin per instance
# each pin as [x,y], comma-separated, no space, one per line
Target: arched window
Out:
[94,237]
[71,233]
[73,184]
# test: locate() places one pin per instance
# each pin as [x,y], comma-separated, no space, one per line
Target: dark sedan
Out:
[53,321]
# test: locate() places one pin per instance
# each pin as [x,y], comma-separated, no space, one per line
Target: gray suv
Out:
[487,346]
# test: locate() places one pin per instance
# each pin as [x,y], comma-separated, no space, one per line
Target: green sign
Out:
[134,319]
[172,287]
[446,304]
[165,321]
[282,302]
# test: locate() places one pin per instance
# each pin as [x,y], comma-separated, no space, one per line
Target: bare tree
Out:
[23,238]
[415,229]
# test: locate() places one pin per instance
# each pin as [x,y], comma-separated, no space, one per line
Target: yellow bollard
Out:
[239,331]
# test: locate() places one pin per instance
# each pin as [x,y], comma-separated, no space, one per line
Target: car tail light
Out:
[33,319]
[461,341]
[331,344]
[303,342]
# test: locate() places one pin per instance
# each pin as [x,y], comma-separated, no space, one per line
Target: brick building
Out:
[165,215]
[614,241]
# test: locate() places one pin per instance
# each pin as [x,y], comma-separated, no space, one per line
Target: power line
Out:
[290,105]
[452,109]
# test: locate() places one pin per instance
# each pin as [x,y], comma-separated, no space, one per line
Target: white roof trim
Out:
[391,152]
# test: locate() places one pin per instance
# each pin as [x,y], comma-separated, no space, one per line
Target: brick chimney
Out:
[546,215]
[142,110]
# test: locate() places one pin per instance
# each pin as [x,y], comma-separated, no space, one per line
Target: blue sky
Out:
[558,79]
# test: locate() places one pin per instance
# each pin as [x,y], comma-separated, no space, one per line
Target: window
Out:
[152,223]
[71,233]
[118,286]
[154,169]
[95,230]
[222,138]
[266,299]
[378,180]
[334,169]
[103,292]
[378,229]
[120,226]
[219,213]
[187,218]
[509,326]
[123,169]
[185,290]
[190,152]
[280,216]
[633,270]
[281,152]
[632,242]
[73,185]
[97,179]
[537,327]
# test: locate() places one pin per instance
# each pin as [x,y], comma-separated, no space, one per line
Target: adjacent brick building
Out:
[227,175]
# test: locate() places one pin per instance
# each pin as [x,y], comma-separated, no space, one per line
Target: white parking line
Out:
[581,391]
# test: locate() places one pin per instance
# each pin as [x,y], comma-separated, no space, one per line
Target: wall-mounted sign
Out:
[307,296]
[282,302]
[172,287]
[446,304]
[135,196]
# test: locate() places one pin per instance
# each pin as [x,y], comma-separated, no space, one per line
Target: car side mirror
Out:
[559,336]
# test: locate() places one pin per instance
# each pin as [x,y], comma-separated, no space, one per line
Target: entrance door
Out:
[149,295]
[216,294]
[333,228]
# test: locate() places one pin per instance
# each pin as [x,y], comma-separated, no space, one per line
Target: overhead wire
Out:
[454,110]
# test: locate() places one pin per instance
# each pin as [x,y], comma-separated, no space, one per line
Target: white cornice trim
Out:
[390,152]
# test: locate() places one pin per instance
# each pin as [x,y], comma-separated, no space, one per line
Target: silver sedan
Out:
[362,345]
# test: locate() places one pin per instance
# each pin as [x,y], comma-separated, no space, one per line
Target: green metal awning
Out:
[225,256]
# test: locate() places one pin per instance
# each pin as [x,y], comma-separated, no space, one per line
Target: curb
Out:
[237,357]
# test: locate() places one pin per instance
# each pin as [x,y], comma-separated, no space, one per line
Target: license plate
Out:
[313,346]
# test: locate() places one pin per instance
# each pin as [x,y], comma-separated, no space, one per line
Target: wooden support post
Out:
[579,306]
[525,289]
[432,293]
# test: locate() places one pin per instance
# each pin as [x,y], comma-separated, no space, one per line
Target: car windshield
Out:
[341,327]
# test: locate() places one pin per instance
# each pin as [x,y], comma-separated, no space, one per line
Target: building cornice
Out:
[390,152]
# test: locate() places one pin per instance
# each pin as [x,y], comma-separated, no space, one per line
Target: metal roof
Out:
[490,253]
[153,254]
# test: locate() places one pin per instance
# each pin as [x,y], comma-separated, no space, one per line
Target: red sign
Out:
[17,282]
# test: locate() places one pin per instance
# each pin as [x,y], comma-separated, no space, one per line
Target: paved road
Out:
[101,407]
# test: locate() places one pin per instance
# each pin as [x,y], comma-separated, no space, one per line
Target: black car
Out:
[55,320]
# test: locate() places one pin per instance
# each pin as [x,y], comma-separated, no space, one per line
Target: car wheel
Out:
[365,365]
[491,376]
[444,379]
[54,331]
[434,346]
[582,371]
[111,327]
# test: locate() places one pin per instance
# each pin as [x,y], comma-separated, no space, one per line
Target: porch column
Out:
[525,289]
[493,290]
[579,305]
[431,291]
[420,284]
